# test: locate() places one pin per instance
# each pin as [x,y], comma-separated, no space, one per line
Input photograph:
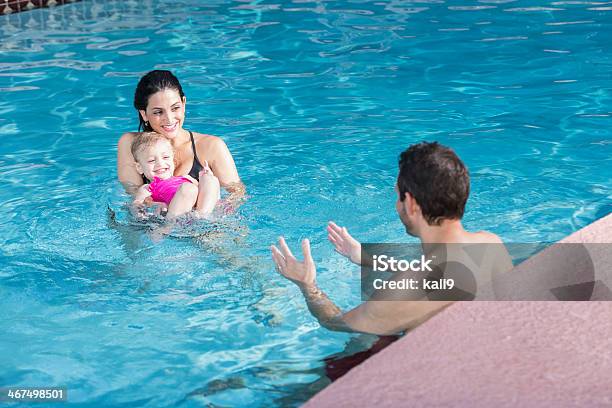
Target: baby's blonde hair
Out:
[146,140]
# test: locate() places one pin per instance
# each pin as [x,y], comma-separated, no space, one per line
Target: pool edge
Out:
[504,354]
[18,6]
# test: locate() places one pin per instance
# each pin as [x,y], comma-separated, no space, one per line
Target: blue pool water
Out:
[315,99]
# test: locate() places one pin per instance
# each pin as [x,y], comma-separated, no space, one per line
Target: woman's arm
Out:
[126,166]
[222,164]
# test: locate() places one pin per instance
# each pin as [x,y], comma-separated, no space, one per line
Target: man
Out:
[433,187]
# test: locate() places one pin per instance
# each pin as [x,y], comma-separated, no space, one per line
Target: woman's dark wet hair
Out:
[149,84]
[436,178]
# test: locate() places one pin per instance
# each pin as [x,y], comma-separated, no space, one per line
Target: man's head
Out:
[433,185]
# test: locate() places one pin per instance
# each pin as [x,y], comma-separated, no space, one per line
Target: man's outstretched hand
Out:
[303,273]
[344,243]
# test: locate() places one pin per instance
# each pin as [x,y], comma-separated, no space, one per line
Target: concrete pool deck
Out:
[502,354]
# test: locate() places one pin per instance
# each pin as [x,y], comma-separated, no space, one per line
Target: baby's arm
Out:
[142,198]
[188,177]
[209,191]
[183,201]
[142,193]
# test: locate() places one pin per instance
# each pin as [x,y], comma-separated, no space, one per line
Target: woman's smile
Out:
[170,128]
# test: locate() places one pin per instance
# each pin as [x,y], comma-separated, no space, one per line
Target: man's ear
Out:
[406,203]
[410,205]
[184,101]
[143,115]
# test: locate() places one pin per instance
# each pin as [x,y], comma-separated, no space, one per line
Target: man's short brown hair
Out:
[436,178]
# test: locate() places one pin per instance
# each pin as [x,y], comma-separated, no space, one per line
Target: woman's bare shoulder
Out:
[127,138]
[207,142]
[205,137]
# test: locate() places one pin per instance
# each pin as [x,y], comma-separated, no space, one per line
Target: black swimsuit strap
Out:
[195,155]
[196,166]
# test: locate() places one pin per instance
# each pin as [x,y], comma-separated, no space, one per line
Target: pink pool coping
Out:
[502,354]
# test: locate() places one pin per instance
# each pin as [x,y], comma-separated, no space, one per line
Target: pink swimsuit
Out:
[164,190]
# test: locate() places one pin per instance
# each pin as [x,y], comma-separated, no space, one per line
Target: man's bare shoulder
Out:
[485,237]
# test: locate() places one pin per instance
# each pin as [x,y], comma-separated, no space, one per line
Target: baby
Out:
[155,161]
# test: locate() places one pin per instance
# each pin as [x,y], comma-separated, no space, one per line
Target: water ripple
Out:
[519,37]
[113,45]
[562,23]
[470,8]
[529,9]
[19,88]
[60,63]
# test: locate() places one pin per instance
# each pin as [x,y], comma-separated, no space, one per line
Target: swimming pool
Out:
[315,100]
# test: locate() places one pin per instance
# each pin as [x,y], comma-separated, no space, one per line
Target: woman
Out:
[160,102]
